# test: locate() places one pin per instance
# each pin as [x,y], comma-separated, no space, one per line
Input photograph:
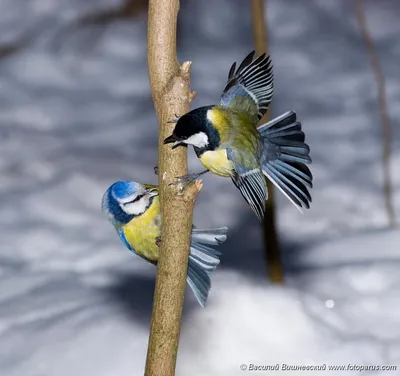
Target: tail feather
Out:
[211,237]
[294,190]
[200,283]
[203,260]
[300,171]
[284,159]
[203,256]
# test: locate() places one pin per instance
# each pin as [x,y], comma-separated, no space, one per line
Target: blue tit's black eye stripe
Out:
[137,198]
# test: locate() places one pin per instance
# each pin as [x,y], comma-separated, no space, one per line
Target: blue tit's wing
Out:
[127,245]
[124,240]
[251,87]
[249,179]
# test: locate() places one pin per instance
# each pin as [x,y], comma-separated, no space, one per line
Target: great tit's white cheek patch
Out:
[199,140]
[137,207]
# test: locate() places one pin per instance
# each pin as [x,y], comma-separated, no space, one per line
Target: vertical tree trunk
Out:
[170,85]
[272,250]
[383,112]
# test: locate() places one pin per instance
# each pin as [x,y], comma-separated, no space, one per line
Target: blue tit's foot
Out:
[174,120]
[158,241]
[188,179]
[156,170]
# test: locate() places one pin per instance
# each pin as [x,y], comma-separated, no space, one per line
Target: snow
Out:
[77,115]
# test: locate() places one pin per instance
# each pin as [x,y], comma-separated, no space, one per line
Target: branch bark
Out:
[272,249]
[382,103]
[170,86]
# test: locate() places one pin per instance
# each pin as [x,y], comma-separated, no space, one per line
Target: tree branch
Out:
[382,103]
[170,86]
[272,249]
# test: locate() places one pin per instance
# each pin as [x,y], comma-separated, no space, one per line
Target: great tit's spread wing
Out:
[250,88]
[285,157]
[249,179]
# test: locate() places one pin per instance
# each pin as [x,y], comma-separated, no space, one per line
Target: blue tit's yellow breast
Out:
[217,162]
[141,232]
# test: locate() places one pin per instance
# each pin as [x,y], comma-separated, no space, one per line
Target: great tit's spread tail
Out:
[203,260]
[251,87]
[285,157]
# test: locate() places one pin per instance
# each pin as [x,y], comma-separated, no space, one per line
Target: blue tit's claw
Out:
[156,170]
[158,241]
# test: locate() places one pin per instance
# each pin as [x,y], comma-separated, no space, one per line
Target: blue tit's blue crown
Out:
[111,201]
[123,189]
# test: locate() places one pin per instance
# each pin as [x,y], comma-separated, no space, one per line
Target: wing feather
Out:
[250,88]
[254,190]
[249,179]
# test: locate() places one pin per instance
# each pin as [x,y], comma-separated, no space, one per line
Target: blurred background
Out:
[76,115]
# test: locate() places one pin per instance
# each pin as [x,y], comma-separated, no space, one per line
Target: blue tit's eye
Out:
[137,198]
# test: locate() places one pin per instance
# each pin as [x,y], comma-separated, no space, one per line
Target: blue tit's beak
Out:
[152,192]
[175,141]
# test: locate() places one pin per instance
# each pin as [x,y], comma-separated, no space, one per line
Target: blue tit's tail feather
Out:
[284,158]
[256,78]
[203,260]
[211,237]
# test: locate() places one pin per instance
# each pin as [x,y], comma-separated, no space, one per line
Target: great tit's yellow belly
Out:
[142,232]
[217,162]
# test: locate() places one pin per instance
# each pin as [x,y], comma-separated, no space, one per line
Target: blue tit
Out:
[134,211]
[228,143]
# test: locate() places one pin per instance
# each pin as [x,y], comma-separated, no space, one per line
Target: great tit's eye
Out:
[137,198]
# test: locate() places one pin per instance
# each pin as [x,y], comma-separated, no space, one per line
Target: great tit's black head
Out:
[191,129]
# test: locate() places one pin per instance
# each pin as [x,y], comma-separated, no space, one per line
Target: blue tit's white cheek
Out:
[199,140]
[135,208]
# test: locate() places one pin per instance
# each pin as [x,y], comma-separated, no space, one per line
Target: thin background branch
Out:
[272,249]
[383,111]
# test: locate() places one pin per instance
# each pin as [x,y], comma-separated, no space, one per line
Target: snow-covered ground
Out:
[76,115]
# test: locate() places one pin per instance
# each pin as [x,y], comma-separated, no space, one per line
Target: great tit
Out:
[134,211]
[228,143]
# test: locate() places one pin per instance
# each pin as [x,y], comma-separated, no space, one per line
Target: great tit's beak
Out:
[175,141]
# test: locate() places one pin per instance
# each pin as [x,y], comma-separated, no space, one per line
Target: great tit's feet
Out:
[187,179]
[158,241]
[156,170]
